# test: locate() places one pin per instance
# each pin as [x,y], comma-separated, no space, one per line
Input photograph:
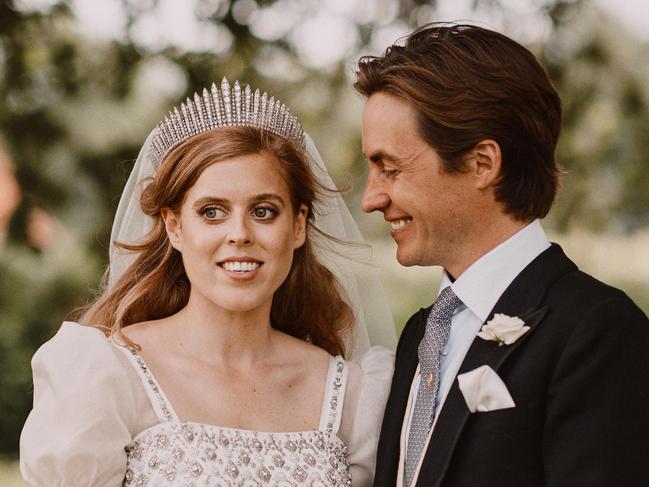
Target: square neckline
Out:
[330,410]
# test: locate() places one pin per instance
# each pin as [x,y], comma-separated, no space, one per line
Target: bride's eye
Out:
[212,213]
[264,213]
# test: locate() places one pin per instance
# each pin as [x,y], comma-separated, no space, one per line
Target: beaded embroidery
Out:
[191,454]
[153,385]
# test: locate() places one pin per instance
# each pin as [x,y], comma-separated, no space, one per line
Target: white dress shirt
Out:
[479,288]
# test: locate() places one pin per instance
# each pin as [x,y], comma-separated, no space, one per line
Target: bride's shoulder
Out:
[154,335]
[144,331]
[302,351]
[77,350]
[81,364]
[75,339]
[71,330]
[81,390]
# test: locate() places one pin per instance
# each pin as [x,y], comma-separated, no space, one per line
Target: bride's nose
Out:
[239,231]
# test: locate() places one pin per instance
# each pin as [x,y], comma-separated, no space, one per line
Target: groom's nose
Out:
[375,196]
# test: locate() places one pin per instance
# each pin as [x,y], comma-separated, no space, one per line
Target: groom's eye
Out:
[389,172]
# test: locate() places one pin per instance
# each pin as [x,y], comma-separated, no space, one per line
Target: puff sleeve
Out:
[83,413]
[365,398]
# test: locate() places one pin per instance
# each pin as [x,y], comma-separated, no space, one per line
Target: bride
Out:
[214,355]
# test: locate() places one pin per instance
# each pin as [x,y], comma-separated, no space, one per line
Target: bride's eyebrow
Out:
[209,200]
[268,197]
[212,200]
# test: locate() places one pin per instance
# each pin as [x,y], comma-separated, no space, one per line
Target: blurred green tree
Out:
[77,109]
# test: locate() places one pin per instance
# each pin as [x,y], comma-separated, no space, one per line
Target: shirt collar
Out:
[482,284]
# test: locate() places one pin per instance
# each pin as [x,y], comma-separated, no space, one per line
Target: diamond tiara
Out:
[227,107]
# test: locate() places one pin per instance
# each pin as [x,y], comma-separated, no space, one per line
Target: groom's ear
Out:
[484,163]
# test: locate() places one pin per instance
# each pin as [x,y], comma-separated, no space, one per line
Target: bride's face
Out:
[236,231]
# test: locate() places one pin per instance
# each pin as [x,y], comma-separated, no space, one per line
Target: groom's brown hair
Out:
[468,84]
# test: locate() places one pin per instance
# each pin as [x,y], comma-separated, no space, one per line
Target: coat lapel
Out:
[389,442]
[523,299]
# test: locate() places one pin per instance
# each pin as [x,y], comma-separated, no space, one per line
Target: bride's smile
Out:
[240,268]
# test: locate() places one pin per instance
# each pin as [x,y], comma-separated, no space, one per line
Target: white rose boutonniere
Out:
[503,329]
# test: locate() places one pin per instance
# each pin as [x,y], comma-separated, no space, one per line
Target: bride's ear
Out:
[173,228]
[299,228]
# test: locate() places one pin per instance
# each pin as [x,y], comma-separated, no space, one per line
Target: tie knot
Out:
[438,325]
[446,302]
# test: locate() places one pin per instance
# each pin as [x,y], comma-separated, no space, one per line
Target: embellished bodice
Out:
[179,453]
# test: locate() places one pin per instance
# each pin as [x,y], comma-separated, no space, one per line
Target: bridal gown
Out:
[101,419]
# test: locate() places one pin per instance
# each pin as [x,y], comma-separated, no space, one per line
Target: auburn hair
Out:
[468,84]
[310,303]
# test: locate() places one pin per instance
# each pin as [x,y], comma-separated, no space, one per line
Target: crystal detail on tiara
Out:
[229,106]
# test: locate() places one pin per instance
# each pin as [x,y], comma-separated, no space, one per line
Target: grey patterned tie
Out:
[438,327]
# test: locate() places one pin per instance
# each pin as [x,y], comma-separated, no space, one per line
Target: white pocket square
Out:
[483,390]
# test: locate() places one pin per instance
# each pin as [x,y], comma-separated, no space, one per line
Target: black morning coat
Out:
[579,378]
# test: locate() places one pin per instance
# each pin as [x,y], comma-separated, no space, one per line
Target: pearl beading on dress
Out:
[333,404]
[152,383]
[196,454]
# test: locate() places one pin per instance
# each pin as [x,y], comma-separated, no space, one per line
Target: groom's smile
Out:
[397,225]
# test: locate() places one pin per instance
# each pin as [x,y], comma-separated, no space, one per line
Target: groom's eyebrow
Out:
[381,156]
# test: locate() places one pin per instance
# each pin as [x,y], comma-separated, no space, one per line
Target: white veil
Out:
[351,263]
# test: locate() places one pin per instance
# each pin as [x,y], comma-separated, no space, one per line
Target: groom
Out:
[526,371]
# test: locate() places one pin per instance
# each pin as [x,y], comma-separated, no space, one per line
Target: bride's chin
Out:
[240,301]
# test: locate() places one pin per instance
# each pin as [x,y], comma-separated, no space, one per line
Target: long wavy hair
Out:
[310,303]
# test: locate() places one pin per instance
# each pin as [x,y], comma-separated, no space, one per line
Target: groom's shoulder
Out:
[580,293]
[582,288]
[564,286]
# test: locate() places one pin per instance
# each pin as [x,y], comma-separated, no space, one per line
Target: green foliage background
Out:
[76,110]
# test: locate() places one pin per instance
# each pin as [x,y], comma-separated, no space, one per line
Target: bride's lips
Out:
[240,268]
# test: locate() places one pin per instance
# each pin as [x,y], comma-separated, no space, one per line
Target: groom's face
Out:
[425,206]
